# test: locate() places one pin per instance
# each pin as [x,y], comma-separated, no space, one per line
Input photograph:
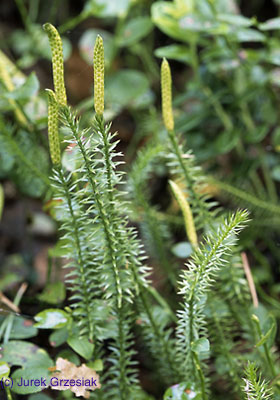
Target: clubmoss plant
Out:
[108,271]
[53,128]
[255,388]
[57,63]
[181,163]
[98,63]
[166,95]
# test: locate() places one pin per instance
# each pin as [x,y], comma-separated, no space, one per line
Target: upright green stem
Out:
[9,394]
[224,349]
[73,22]
[24,15]
[194,59]
[138,281]
[222,114]
[271,188]
[107,157]
[110,237]
[257,184]
[80,260]
[122,355]
[158,334]
[8,323]
[188,180]
[265,347]
[200,374]
[33,10]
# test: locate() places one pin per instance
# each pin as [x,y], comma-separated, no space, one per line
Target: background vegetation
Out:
[225,61]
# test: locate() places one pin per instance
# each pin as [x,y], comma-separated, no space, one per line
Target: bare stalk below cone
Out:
[98,66]
[166,95]
[53,128]
[187,213]
[57,63]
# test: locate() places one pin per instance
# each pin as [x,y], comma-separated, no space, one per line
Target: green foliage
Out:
[155,233]
[255,388]
[203,267]
[122,316]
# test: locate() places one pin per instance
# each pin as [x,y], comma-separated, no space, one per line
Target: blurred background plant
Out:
[225,58]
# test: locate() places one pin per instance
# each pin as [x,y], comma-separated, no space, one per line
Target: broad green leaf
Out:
[202,348]
[226,6]
[186,25]
[27,90]
[39,396]
[59,250]
[226,141]
[81,345]
[58,337]
[249,35]
[182,391]
[39,374]
[43,225]
[257,135]
[237,20]
[271,24]
[52,318]
[182,249]
[195,23]
[124,88]
[4,369]
[17,352]
[167,17]
[134,30]
[274,57]
[224,66]
[7,157]
[185,6]
[69,355]
[53,293]
[97,365]
[107,8]
[22,328]
[175,52]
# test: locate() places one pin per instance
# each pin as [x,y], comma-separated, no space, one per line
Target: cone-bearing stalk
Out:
[166,95]
[53,128]
[98,66]
[57,63]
